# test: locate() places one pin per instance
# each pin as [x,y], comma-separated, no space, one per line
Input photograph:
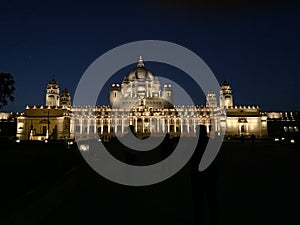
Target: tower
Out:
[211,100]
[65,98]
[226,98]
[52,94]
[167,93]
[115,91]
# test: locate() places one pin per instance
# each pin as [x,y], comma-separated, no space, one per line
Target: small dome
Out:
[115,87]
[65,91]
[225,83]
[125,80]
[53,81]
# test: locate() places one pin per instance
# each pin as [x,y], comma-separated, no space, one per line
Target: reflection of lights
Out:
[99,140]
[276,139]
[292,141]
[84,147]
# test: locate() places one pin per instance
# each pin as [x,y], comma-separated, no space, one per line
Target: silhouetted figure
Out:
[242,138]
[204,184]
[253,138]
[130,154]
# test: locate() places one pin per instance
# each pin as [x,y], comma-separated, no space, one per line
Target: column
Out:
[88,126]
[108,125]
[143,125]
[80,121]
[181,125]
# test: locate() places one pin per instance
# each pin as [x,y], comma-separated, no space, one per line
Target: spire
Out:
[140,64]
[53,81]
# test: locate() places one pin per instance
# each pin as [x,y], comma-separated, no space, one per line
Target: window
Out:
[242,128]
[77,129]
[44,130]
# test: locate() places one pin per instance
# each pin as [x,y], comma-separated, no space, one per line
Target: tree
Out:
[7,88]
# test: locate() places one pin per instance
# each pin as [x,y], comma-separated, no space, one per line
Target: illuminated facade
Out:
[139,101]
[52,121]
[242,120]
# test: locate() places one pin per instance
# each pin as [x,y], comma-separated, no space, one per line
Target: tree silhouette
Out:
[7,88]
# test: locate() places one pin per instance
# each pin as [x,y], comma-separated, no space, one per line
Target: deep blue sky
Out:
[253,46]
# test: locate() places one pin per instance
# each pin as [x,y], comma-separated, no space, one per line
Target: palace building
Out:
[52,121]
[143,102]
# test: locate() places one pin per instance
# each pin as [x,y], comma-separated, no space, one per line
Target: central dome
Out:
[140,72]
[140,83]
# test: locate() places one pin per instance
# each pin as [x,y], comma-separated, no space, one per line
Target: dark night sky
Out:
[254,45]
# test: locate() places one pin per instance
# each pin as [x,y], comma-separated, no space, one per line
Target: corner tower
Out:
[226,97]
[65,98]
[167,93]
[52,94]
[115,90]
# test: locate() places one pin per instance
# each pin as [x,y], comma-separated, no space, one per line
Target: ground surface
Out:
[257,184]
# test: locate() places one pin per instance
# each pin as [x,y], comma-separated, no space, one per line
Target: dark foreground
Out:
[50,184]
